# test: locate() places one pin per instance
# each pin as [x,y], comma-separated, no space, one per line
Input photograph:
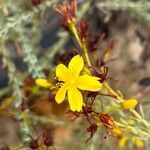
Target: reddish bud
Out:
[34,144]
[107,121]
[83,27]
[36,2]
[66,57]
[24,106]
[67,10]
[92,129]
[101,75]
[86,110]
[48,140]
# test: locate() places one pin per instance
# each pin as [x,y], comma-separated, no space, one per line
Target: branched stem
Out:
[106,84]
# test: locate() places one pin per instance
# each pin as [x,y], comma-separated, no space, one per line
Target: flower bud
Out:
[130,103]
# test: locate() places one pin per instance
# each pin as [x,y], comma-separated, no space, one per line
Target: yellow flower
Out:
[130,103]
[73,81]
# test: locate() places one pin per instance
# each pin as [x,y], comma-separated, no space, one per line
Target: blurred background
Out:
[31,43]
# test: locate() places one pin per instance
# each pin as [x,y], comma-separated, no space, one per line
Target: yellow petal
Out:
[122,141]
[61,93]
[75,99]
[63,73]
[89,83]
[130,103]
[76,64]
[42,82]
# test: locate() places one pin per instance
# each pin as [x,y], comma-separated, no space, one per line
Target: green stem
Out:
[140,118]
[111,109]
[72,27]
[86,53]
[110,90]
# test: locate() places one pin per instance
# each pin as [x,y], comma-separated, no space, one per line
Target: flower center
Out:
[73,80]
